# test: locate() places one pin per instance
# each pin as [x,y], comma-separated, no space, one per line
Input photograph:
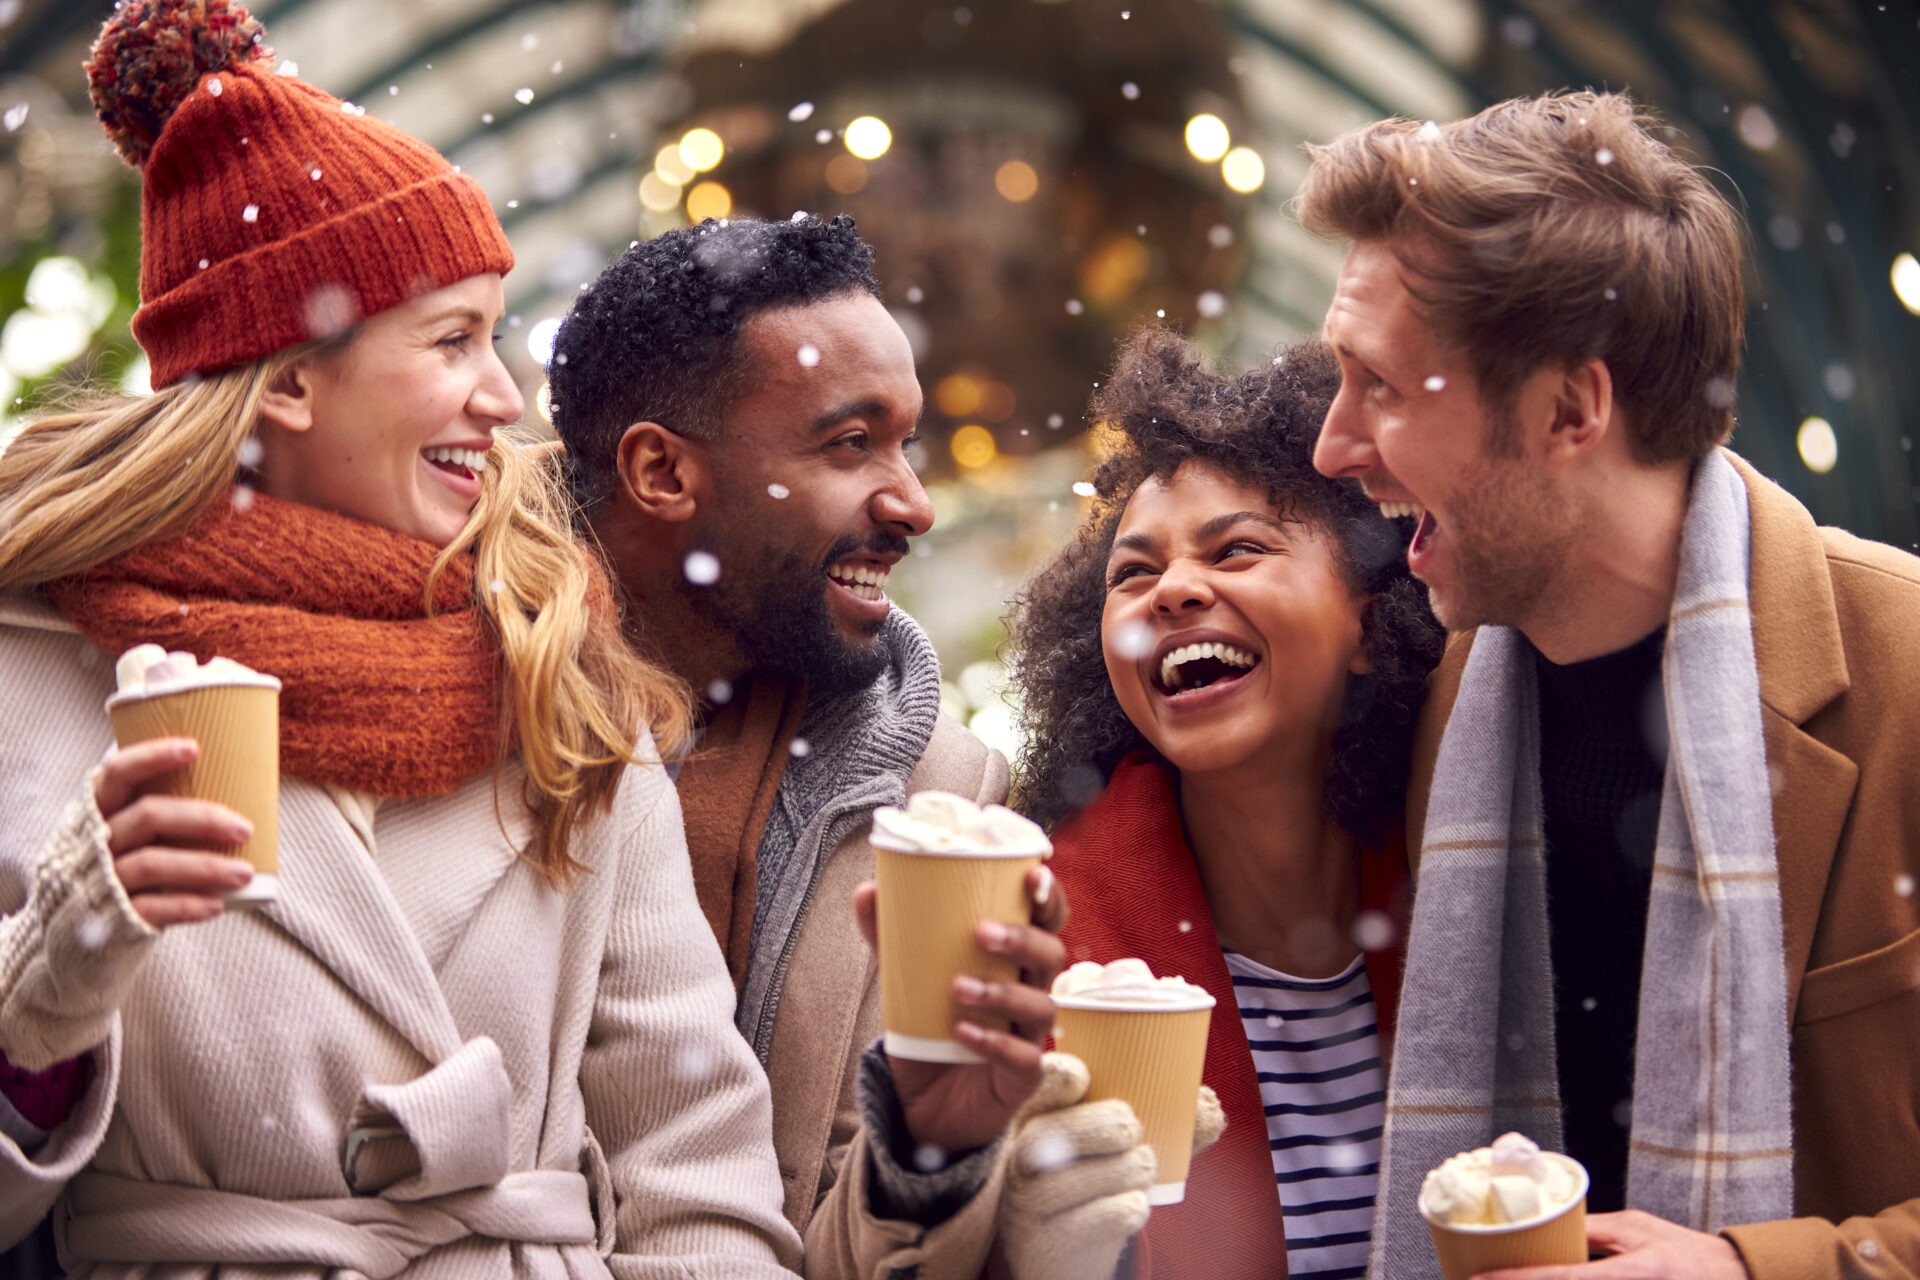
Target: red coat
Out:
[1131,883]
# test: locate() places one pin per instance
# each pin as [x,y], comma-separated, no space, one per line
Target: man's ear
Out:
[288,403]
[664,475]
[1582,408]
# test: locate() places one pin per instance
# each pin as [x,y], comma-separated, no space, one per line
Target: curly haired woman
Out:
[483,1030]
[1220,678]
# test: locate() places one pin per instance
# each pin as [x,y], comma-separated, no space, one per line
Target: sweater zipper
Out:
[833,835]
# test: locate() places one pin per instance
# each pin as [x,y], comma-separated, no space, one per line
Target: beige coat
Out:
[1836,632]
[551,1081]
[829,1013]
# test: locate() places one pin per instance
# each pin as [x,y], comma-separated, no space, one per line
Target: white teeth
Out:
[474,460]
[868,584]
[1170,665]
[1395,510]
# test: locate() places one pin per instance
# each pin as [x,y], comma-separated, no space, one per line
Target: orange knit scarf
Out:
[377,696]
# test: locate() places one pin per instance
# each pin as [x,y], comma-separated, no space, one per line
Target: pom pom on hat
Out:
[152,54]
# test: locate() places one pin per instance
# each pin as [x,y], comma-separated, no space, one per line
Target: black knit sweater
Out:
[1603,754]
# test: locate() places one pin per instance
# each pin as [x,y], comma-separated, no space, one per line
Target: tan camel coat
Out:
[1836,630]
[421,1061]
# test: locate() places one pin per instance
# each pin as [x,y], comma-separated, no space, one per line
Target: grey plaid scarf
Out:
[1711,1143]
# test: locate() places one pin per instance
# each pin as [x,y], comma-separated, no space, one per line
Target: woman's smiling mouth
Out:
[1203,671]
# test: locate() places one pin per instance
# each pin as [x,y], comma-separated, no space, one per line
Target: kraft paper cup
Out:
[928,907]
[1151,1054]
[1557,1240]
[237,725]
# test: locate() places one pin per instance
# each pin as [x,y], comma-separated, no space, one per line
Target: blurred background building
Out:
[1040,176]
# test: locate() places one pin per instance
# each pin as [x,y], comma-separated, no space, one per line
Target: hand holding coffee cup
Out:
[964,991]
[196,767]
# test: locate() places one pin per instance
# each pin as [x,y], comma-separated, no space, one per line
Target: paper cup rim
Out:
[1187,1004]
[1508,1228]
[879,841]
[253,680]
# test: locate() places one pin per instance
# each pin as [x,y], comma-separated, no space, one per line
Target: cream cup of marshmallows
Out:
[1507,1205]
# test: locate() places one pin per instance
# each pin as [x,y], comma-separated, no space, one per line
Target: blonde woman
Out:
[484,1030]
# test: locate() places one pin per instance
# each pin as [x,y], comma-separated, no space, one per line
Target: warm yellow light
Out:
[846,174]
[868,137]
[657,193]
[544,399]
[701,149]
[957,395]
[1818,447]
[708,200]
[1207,137]
[1243,169]
[996,402]
[1016,180]
[1114,269]
[1906,282]
[672,166]
[973,446]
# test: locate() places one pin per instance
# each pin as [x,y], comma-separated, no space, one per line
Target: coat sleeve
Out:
[672,1092]
[1885,1245]
[846,1238]
[68,956]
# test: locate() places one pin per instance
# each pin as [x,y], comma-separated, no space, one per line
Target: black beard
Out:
[781,621]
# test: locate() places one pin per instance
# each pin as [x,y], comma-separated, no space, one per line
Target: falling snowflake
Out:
[1219,235]
[496,586]
[287,67]
[1429,132]
[1435,383]
[204,264]
[799,748]
[250,214]
[799,111]
[242,498]
[214,86]
[1083,488]
[928,1158]
[778,491]
[702,568]
[1903,886]
[1212,304]
[719,692]
[251,452]
[315,175]
[523,96]
[808,355]
[1604,156]
[823,136]
[16,116]
[1186,926]
[93,933]
[1074,307]
[1055,422]
[529,42]
[1050,1151]
[1130,91]
[916,294]
[1134,640]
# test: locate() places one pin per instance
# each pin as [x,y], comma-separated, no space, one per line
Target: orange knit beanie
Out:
[271,213]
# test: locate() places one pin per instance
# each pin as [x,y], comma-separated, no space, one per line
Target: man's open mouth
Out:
[1198,666]
[867,582]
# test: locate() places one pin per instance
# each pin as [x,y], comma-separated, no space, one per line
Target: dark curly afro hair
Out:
[656,337]
[1166,408]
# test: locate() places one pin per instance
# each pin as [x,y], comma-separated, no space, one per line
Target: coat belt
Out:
[109,1218]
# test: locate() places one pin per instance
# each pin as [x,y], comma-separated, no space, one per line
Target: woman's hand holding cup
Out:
[150,836]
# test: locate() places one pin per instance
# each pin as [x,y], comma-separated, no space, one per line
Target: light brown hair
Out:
[84,484]
[1551,231]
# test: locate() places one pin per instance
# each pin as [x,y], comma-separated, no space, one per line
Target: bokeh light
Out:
[1906,282]
[1819,448]
[846,174]
[973,446]
[868,137]
[701,149]
[673,166]
[1016,180]
[1207,137]
[540,340]
[708,200]
[657,194]
[1244,170]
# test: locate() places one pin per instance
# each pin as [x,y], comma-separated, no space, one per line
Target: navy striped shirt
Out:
[1316,1051]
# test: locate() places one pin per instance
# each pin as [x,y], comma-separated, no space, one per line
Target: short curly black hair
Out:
[656,337]
[1166,408]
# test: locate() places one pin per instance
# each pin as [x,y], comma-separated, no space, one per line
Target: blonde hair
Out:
[1553,230]
[87,483]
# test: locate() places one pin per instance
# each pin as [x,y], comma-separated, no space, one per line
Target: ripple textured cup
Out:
[238,728]
[1557,1238]
[928,906]
[1149,1052]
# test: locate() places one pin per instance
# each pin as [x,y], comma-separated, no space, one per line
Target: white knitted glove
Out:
[1077,1180]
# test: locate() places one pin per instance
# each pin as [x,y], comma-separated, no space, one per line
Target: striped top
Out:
[1316,1052]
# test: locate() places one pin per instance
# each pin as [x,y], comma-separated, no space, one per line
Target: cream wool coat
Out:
[545,1084]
